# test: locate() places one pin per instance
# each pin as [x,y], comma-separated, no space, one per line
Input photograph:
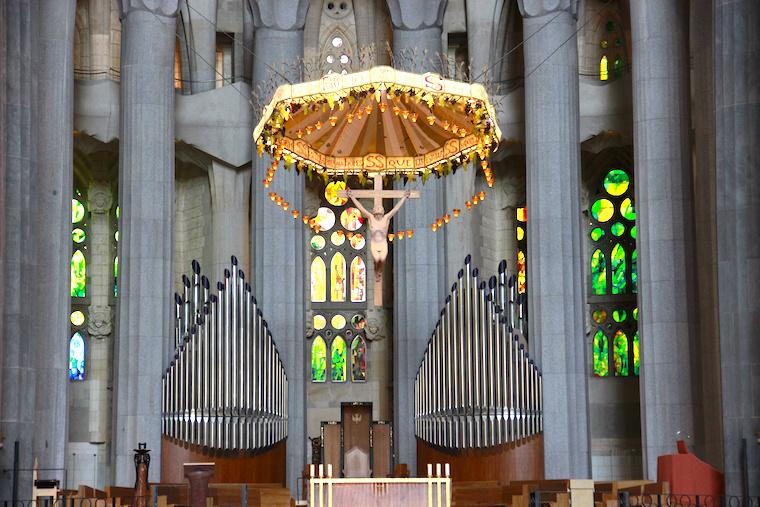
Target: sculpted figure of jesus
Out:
[378,229]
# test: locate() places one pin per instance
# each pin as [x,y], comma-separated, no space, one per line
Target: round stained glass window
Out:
[317,242]
[78,235]
[351,219]
[599,316]
[344,59]
[602,210]
[358,322]
[319,322]
[520,233]
[636,313]
[338,321]
[616,182]
[325,218]
[330,59]
[597,233]
[337,238]
[619,315]
[77,318]
[337,42]
[633,232]
[331,193]
[627,209]
[617,229]
[357,241]
[77,211]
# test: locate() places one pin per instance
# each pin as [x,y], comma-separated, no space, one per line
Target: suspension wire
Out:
[249,50]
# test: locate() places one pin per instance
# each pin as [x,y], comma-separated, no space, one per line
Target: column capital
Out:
[99,197]
[416,14]
[536,8]
[100,321]
[283,15]
[160,7]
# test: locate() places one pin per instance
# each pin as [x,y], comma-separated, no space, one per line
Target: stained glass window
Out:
[338,363]
[76,357]
[521,232]
[358,359]
[338,278]
[612,274]
[338,284]
[611,51]
[80,242]
[358,280]
[318,280]
[318,360]
[78,274]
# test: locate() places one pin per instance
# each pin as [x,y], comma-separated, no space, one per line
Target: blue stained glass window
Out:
[76,357]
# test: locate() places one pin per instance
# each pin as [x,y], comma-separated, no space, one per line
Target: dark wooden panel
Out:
[523,460]
[267,466]
[356,420]
[381,450]
[331,447]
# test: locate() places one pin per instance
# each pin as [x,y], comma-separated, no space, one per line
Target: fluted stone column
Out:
[230,192]
[418,265]
[737,121]
[146,197]
[51,228]
[100,321]
[555,268]
[277,247]
[200,23]
[664,215]
[19,27]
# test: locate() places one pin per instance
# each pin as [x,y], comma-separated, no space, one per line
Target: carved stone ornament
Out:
[377,325]
[535,8]
[100,322]
[285,15]
[99,197]
[160,7]
[417,14]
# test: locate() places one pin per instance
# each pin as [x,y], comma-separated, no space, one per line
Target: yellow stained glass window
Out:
[325,218]
[351,219]
[338,238]
[331,193]
[338,321]
[318,280]
[521,272]
[357,241]
[358,281]
[338,278]
[604,74]
[319,322]
[78,275]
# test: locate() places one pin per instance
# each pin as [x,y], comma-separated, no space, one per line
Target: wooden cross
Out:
[378,228]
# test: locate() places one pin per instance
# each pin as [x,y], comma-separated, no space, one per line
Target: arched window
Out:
[80,241]
[521,230]
[612,276]
[76,357]
[337,54]
[338,288]
[611,51]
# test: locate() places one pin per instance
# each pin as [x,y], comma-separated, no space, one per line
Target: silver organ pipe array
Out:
[476,386]
[226,386]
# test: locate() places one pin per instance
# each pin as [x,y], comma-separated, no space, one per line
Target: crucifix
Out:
[379,221]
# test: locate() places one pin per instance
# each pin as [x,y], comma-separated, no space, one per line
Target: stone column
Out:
[737,121]
[99,325]
[372,29]
[51,228]
[230,192]
[146,197]
[555,268]
[277,247]
[418,265]
[99,26]
[664,215]
[200,25]
[19,26]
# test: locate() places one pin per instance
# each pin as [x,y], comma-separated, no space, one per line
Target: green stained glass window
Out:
[619,315]
[338,364]
[598,273]
[636,353]
[618,66]
[601,355]
[610,26]
[616,182]
[636,314]
[318,360]
[599,316]
[602,210]
[618,269]
[358,359]
[77,211]
[78,235]
[634,272]
[78,275]
[317,242]
[620,347]
[617,229]
[597,233]
[633,232]
[627,209]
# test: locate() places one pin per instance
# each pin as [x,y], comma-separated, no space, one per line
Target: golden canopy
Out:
[378,121]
